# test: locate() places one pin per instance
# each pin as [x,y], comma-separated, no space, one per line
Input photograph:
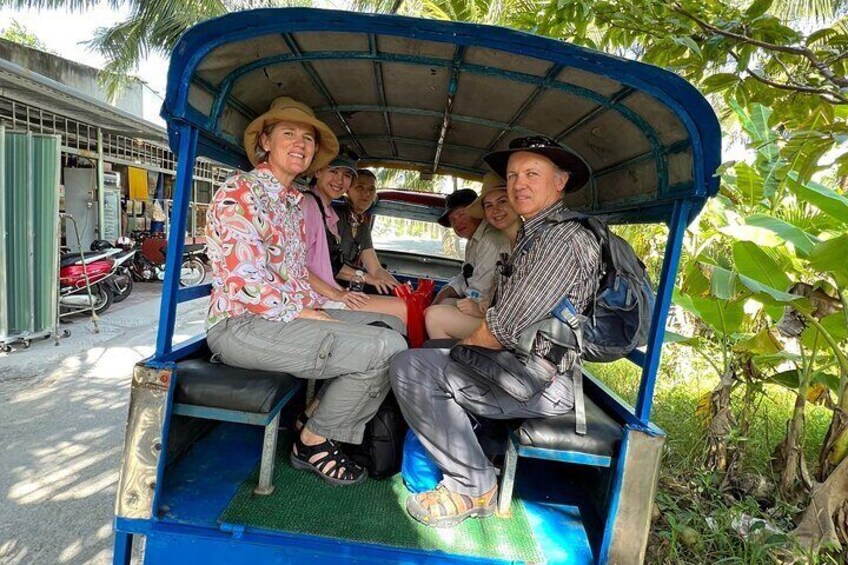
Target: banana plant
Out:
[771,232]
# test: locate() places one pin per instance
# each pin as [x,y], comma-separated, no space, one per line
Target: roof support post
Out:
[673,247]
[101,186]
[176,238]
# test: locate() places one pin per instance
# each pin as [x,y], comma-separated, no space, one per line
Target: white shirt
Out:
[482,253]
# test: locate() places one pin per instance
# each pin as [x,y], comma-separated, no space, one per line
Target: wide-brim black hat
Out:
[561,157]
[458,199]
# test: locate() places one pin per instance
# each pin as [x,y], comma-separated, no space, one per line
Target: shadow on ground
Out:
[61,434]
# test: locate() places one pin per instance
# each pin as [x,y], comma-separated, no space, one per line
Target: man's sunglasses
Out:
[534,142]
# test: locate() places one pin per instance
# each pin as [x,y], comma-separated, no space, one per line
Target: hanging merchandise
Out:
[137,179]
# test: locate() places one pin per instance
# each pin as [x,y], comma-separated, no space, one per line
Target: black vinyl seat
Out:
[556,439]
[69,259]
[603,437]
[214,391]
[202,382]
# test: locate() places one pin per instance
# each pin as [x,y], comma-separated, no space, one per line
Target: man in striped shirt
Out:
[549,263]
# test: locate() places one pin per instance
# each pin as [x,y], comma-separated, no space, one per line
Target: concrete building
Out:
[77,77]
[43,93]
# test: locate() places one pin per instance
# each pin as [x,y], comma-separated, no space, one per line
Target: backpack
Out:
[619,319]
[382,445]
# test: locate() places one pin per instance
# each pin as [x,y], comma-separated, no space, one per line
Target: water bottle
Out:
[357,283]
[473,294]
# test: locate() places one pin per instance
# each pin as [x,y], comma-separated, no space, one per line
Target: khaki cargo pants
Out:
[354,355]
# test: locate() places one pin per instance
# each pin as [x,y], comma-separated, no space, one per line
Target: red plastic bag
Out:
[416,302]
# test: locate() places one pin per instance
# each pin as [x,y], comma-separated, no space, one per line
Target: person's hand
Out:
[383,285]
[387,278]
[313,314]
[470,307]
[353,300]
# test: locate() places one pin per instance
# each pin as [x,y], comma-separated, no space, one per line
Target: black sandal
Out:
[333,466]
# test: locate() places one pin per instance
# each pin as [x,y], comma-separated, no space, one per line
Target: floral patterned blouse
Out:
[255,238]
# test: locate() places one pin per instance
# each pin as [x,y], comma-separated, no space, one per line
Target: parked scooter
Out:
[82,282]
[192,269]
[121,284]
[141,268]
[193,266]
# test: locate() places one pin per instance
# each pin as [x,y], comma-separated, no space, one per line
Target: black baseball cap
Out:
[459,199]
[561,157]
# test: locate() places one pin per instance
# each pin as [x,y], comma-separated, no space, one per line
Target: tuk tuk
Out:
[198,479]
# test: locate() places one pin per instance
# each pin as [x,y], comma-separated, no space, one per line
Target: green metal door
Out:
[46,170]
[19,234]
[29,233]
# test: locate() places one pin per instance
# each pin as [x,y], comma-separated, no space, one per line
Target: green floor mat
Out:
[373,512]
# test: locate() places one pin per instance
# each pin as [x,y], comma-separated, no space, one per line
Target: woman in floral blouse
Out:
[264,314]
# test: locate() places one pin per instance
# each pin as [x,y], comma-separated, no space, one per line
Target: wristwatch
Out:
[359,274]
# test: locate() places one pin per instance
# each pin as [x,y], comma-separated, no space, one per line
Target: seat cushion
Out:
[201,382]
[602,438]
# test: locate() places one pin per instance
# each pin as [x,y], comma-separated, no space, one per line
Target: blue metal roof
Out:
[436,96]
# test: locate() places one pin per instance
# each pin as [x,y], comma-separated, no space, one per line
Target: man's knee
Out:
[399,365]
[418,365]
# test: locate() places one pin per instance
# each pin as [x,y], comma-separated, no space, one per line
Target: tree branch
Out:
[829,96]
[792,50]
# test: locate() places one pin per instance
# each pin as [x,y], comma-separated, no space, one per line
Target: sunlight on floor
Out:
[68,463]
[12,553]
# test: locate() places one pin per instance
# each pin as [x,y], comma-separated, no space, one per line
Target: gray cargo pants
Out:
[354,355]
[436,404]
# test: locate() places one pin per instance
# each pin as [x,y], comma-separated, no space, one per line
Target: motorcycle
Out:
[141,268]
[193,266]
[121,284]
[192,269]
[82,282]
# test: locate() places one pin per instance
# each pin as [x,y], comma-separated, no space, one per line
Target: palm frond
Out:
[821,11]
[70,5]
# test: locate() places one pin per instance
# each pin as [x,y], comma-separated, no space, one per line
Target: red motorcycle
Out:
[82,283]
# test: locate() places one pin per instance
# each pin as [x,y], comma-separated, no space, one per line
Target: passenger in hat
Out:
[265,315]
[357,248]
[323,239]
[551,260]
[485,244]
[448,321]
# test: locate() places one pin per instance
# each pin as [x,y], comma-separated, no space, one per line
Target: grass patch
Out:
[696,522]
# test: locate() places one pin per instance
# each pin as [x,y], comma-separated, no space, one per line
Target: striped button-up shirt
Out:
[563,261]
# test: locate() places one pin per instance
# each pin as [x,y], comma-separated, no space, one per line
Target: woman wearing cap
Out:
[357,248]
[265,315]
[324,252]
[446,321]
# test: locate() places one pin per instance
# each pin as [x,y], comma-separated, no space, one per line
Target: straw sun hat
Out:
[491,183]
[290,110]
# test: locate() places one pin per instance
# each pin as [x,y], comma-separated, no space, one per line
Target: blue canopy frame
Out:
[193,133]
[677,139]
